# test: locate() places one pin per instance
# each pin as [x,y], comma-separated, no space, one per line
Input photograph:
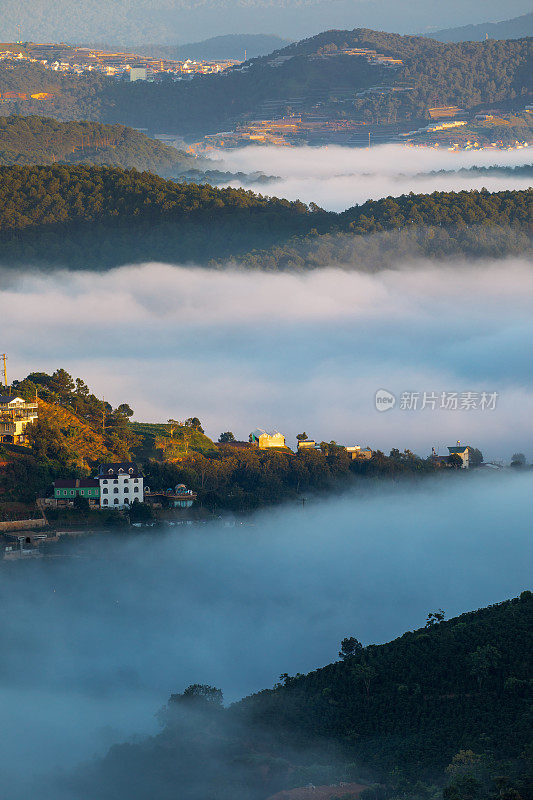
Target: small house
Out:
[266,439]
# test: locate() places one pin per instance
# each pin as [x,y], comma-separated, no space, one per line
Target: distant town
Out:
[72,60]
[320,118]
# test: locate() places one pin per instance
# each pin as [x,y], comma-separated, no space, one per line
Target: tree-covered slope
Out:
[442,712]
[40,140]
[516,28]
[416,701]
[99,217]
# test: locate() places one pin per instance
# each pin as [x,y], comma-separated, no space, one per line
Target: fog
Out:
[93,645]
[339,177]
[292,351]
[172,21]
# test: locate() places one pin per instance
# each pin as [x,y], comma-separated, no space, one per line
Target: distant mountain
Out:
[233,46]
[516,28]
[169,21]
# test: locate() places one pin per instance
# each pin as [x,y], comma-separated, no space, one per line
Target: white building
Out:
[138,74]
[120,485]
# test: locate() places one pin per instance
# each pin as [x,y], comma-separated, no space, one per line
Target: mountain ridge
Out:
[516,28]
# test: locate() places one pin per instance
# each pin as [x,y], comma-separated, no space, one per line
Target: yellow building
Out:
[15,415]
[266,439]
[356,451]
[463,451]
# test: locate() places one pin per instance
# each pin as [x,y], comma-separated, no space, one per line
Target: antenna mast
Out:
[4,357]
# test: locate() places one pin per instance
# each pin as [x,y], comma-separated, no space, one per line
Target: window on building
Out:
[65,492]
[115,490]
[115,501]
[104,491]
[104,502]
[136,480]
[72,492]
[136,489]
[115,480]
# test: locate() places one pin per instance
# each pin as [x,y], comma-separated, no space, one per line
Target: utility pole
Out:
[369,135]
[4,357]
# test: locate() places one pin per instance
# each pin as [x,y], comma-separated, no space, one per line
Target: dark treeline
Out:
[99,217]
[442,713]
[244,479]
[466,74]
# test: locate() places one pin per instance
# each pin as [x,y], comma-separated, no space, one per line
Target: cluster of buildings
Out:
[79,60]
[297,129]
[116,487]
[371,56]
[265,440]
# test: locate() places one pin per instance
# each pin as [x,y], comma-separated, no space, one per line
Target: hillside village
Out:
[352,88]
[70,463]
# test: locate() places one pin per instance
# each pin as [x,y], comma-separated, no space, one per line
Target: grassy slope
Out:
[84,444]
[157,442]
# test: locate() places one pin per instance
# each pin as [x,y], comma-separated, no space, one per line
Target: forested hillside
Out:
[516,28]
[442,712]
[465,684]
[99,217]
[464,74]
[40,140]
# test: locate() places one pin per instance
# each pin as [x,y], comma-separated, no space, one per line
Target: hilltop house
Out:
[463,451]
[307,444]
[358,452]
[120,484]
[266,439]
[15,415]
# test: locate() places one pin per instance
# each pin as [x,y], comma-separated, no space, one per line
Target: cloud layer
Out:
[339,177]
[297,352]
[106,636]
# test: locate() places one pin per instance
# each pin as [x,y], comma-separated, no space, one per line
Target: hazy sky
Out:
[339,177]
[104,640]
[172,21]
[297,352]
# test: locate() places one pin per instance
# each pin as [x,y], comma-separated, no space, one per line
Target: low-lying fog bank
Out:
[94,645]
[339,177]
[297,352]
